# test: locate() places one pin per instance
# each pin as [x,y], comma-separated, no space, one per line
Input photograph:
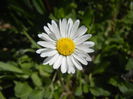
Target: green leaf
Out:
[88,18]
[113,82]
[91,80]
[24,59]
[9,67]
[48,92]
[99,91]
[20,10]
[26,65]
[39,6]
[78,91]
[1,96]
[45,70]
[22,90]
[129,64]
[101,68]
[85,88]
[36,79]
[125,87]
[36,94]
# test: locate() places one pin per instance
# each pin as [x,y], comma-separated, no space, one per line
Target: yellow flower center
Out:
[65,46]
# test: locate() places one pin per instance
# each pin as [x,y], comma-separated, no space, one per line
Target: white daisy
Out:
[65,45]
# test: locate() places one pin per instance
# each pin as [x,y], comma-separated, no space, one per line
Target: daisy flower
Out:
[65,45]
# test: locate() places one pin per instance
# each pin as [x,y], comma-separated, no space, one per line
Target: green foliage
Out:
[22,90]
[1,96]
[129,65]
[9,67]
[22,75]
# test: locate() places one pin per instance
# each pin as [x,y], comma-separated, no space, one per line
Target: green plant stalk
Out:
[31,40]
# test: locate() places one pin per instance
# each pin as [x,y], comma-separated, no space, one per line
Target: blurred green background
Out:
[108,76]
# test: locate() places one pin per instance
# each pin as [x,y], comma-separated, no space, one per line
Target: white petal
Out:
[63,24]
[53,22]
[58,62]
[70,24]
[71,68]
[81,31]
[84,48]
[76,63]
[47,30]
[81,39]
[80,59]
[88,58]
[53,60]
[47,60]
[74,28]
[90,50]
[55,29]
[46,44]
[83,54]
[63,65]
[52,36]
[50,27]
[40,50]
[49,53]
[45,37]
[66,30]
[89,43]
